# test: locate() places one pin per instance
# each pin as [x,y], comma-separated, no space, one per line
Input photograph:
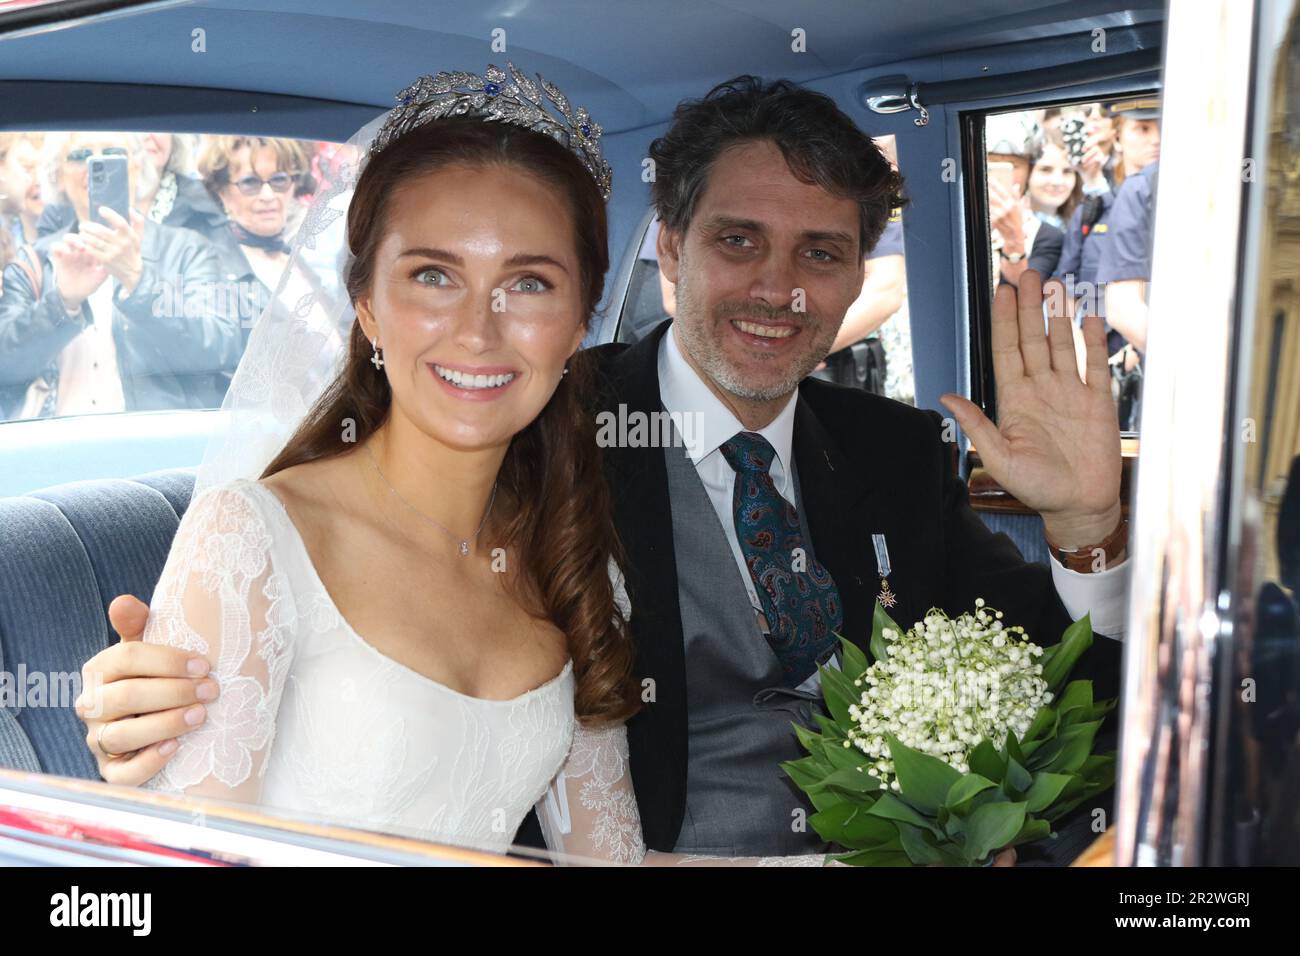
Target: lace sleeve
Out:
[589,812]
[220,595]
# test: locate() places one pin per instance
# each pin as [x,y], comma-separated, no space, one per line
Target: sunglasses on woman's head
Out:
[85,152]
[252,185]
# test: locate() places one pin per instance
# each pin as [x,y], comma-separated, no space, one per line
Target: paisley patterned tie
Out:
[799,598]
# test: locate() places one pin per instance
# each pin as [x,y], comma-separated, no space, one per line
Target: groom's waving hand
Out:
[1056,445]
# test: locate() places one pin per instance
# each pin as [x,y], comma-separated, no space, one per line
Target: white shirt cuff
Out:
[1103,594]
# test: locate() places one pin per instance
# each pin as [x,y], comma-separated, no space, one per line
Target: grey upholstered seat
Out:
[65,553]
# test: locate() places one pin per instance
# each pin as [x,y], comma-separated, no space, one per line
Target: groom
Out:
[770,198]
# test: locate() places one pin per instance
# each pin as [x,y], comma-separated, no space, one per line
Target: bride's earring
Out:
[376,360]
[565,372]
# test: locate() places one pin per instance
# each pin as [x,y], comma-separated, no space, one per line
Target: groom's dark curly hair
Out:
[820,143]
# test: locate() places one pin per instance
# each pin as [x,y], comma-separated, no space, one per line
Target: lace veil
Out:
[295,349]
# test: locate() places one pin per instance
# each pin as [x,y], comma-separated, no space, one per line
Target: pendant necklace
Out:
[463,548]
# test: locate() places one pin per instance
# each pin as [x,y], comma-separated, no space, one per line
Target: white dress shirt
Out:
[89,379]
[682,391]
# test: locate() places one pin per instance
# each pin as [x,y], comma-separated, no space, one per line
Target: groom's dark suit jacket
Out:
[866,465]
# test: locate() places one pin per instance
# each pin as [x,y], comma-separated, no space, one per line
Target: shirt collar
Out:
[682,390]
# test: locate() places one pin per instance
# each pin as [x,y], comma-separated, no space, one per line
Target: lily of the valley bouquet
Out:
[957,739]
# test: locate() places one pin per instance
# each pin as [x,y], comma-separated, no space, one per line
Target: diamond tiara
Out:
[508,98]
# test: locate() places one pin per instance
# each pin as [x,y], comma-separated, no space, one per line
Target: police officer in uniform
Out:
[857,356]
[1085,236]
[1090,228]
[1124,268]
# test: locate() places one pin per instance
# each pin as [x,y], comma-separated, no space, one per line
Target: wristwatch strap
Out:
[1114,548]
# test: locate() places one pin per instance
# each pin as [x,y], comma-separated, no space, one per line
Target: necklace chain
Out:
[464,542]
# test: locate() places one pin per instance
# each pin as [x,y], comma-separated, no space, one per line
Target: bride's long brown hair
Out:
[552,511]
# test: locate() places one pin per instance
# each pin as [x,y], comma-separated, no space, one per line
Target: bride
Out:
[414,610]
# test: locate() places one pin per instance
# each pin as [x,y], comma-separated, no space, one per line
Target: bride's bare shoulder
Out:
[313,491]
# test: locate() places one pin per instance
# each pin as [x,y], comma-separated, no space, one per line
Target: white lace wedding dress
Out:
[313,719]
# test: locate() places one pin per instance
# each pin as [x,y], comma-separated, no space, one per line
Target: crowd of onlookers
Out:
[1072,195]
[99,314]
[102,313]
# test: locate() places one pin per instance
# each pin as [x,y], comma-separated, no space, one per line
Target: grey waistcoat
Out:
[738,800]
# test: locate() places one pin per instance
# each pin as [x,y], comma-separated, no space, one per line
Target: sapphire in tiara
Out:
[491,89]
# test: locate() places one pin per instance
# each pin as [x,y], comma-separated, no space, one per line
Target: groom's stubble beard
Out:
[698,330]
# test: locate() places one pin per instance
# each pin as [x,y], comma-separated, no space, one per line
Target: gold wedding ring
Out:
[99,739]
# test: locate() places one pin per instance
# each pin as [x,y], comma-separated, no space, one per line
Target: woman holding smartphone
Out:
[111,312]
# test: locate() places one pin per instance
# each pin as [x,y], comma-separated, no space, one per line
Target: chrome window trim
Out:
[1227,839]
[1175,618]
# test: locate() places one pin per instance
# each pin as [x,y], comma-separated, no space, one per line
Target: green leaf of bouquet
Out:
[955,828]
[1038,752]
[830,823]
[1034,829]
[986,761]
[823,798]
[855,661]
[1049,752]
[952,855]
[1075,747]
[845,758]
[992,827]
[828,727]
[1078,693]
[1076,639]
[1103,707]
[892,844]
[810,739]
[818,754]
[1064,807]
[1073,788]
[852,781]
[1018,780]
[874,857]
[919,845]
[1046,789]
[1029,749]
[838,692]
[805,772]
[850,826]
[1099,770]
[963,791]
[1012,748]
[879,621]
[889,807]
[1077,706]
[1042,727]
[923,779]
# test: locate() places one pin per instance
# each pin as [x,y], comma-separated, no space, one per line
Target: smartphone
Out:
[1006,174]
[108,186]
[1075,139]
